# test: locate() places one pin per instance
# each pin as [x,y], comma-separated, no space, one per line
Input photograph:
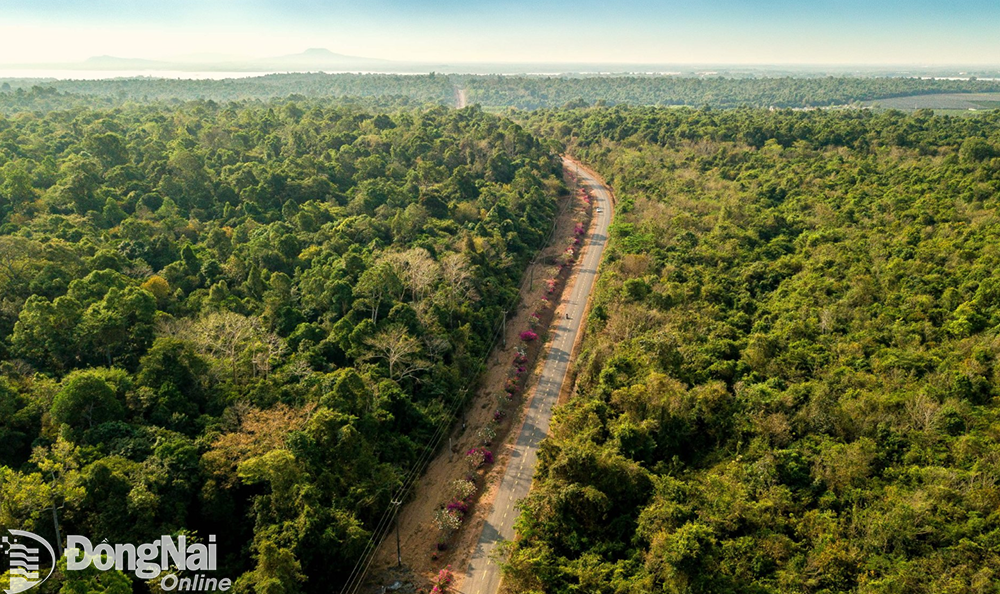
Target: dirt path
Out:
[418,535]
[461,98]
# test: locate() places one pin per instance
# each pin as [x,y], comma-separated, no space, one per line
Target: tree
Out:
[45,331]
[277,571]
[239,341]
[375,284]
[399,350]
[85,400]
[119,328]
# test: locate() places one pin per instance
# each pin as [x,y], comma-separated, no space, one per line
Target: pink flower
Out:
[528,336]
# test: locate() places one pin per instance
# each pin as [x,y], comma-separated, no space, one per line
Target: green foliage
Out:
[85,401]
[248,319]
[715,92]
[792,361]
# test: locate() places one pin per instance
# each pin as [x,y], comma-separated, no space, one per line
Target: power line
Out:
[360,570]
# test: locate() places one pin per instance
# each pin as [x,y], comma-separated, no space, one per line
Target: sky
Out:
[830,32]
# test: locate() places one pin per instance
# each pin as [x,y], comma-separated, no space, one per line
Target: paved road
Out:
[484,575]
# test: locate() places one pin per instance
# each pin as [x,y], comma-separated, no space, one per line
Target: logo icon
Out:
[23,558]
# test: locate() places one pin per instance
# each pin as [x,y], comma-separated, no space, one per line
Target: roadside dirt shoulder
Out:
[419,536]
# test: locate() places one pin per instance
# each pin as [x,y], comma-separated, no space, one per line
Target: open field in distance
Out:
[942,101]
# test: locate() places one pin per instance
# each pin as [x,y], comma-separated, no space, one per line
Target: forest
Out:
[789,378]
[495,92]
[247,320]
[244,309]
[709,91]
[33,94]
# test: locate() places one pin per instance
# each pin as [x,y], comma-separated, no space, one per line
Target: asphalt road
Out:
[484,575]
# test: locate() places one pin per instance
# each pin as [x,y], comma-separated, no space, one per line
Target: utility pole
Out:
[399,554]
[505,330]
[55,523]
[55,518]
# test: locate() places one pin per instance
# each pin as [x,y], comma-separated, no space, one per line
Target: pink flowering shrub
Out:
[498,415]
[475,457]
[479,457]
[528,336]
[442,581]
[458,506]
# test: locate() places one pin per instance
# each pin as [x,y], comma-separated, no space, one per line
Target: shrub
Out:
[442,581]
[462,489]
[487,434]
[447,519]
[479,457]
[528,336]
[475,458]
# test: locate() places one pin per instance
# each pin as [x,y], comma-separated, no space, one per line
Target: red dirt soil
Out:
[418,534]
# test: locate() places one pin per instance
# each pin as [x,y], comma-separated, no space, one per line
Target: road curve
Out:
[483,574]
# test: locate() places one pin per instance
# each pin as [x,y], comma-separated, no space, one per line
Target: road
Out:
[484,575]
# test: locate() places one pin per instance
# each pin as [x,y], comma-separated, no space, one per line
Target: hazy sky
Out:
[921,32]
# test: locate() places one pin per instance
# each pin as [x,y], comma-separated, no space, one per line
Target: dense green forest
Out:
[247,320]
[789,378]
[227,313]
[24,94]
[715,92]
[522,92]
